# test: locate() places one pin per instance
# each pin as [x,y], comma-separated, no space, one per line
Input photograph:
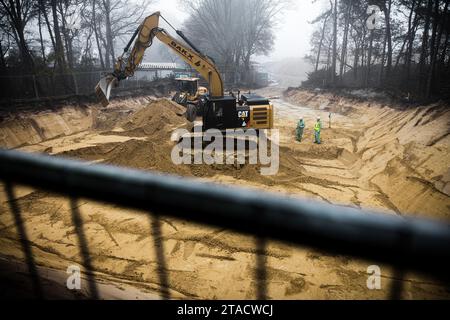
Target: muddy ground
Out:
[372,157]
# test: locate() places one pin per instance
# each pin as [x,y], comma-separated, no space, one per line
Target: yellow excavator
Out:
[218,111]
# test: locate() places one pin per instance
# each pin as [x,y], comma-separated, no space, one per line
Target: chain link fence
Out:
[36,87]
[44,86]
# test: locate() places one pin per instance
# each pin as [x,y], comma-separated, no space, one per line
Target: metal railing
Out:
[408,244]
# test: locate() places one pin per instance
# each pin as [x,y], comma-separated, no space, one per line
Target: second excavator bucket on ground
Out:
[103,89]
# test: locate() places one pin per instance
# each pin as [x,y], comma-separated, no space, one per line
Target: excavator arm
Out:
[143,39]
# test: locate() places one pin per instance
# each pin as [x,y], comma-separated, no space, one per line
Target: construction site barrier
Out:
[36,87]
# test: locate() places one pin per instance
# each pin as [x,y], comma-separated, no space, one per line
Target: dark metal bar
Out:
[159,250]
[396,285]
[25,243]
[261,269]
[397,277]
[337,229]
[84,250]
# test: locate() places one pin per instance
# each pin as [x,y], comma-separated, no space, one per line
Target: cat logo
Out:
[242,114]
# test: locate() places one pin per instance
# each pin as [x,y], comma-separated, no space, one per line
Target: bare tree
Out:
[119,18]
[233,31]
[347,8]
[444,29]
[434,46]
[334,54]
[43,10]
[324,17]
[59,47]
[96,33]
[424,49]
[69,12]
[259,18]
[387,56]
[41,38]
[214,26]
[19,14]
[5,35]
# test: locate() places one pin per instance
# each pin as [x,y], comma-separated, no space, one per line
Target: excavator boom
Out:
[143,39]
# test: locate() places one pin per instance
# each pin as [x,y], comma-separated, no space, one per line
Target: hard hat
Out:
[318,118]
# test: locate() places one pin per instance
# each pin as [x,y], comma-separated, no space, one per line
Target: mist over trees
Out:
[232,32]
[404,48]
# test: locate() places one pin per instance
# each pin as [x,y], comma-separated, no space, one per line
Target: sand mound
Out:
[156,122]
[158,115]
[155,155]
[146,155]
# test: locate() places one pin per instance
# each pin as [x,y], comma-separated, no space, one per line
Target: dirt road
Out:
[372,157]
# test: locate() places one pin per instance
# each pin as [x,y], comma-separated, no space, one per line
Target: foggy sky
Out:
[292,34]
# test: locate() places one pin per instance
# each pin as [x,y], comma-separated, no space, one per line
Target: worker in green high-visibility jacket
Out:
[317,129]
[300,129]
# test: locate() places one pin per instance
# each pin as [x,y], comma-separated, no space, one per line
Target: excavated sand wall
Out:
[26,129]
[33,127]
[403,152]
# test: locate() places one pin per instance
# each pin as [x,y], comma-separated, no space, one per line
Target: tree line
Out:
[396,45]
[64,35]
[60,36]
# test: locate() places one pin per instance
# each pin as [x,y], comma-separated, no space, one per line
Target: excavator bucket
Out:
[103,89]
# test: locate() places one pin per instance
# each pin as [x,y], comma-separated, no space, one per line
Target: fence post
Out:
[75,83]
[36,93]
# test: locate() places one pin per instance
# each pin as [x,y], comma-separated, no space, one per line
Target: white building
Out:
[150,70]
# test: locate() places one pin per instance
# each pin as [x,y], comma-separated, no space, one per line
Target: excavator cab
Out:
[186,90]
[189,95]
[188,85]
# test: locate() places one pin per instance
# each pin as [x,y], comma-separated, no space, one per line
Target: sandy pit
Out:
[373,157]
